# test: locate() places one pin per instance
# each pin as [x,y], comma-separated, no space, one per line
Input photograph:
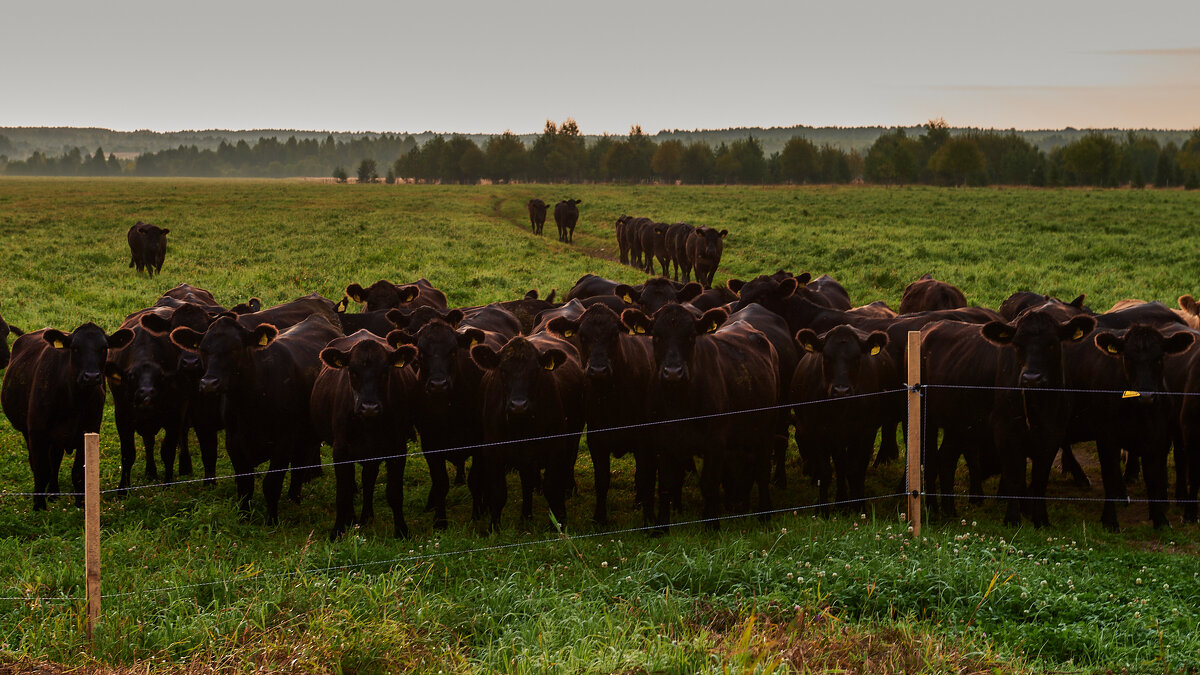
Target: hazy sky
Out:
[490,66]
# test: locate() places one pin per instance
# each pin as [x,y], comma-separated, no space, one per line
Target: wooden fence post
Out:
[91,517]
[913,442]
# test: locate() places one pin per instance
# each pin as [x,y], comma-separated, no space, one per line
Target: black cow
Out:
[705,369]
[704,246]
[362,406]
[265,377]
[532,388]
[6,329]
[677,236]
[654,246]
[566,215]
[590,285]
[186,294]
[537,215]
[618,367]
[53,393]
[656,293]
[928,294]
[1021,301]
[834,431]
[384,294]
[147,247]
[633,238]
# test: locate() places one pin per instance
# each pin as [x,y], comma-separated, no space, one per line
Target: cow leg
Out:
[128,450]
[370,474]
[1181,465]
[645,470]
[460,470]
[1070,465]
[273,488]
[1039,478]
[763,478]
[530,479]
[151,465]
[77,473]
[601,462]
[207,438]
[167,452]
[344,477]
[496,488]
[395,495]
[780,443]
[1154,466]
[439,485]
[946,462]
[1114,485]
[245,488]
[710,491]
[670,481]
[1012,483]
[40,462]
[1132,469]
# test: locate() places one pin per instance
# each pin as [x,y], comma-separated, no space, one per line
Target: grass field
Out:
[191,587]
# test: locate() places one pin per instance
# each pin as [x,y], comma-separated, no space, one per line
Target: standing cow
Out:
[537,214]
[53,393]
[566,215]
[704,246]
[147,247]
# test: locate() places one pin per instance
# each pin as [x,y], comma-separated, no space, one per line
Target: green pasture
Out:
[191,587]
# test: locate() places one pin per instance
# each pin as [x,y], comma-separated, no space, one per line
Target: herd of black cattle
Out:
[665,371]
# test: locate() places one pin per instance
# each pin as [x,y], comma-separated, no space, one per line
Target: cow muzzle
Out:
[90,378]
[368,409]
[1033,379]
[673,373]
[519,407]
[210,385]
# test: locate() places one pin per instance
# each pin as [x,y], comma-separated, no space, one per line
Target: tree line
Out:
[561,153]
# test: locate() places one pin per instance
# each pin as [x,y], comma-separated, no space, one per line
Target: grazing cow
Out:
[928,294]
[386,295]
[618,366]
[186,294]
[53,393]
[677,236]
[835,431]
[447,416]
[265,377]
[6,329]
[290,313]
[703,369]
[147,247]
[1141,422]
[590,285]
[532,388]
[537,215]
[704,246]
[362,406]
[566,215]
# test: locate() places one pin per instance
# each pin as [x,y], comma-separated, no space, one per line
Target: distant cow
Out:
[362,406]
[5,330]
[537,214]
[53,393]
[928,294]
[677,236]
[265,377]
[147,247]
[704,246]
[566,215]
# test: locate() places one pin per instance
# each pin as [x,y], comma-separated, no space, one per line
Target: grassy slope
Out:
[755,595]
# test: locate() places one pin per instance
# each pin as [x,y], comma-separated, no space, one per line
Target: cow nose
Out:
[437,385]
[90,378]
[144,396]
[672,373]
[598,371]
[368,409]
[209,385]
[518,406]
[1031,378]
[190,363]
[840,390]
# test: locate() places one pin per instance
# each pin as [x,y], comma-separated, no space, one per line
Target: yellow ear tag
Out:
[808,347]
[639,330]
[568,333]
[1078,334]
[263,341]
[115,377]
[549,366]
[1130,394]
[400,364]
[627,298]
[1113,350]
[58,344]
[875,350]
[474,341]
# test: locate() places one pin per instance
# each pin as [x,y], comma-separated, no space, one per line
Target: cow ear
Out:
[57,338]
[262,335]
[735,285]
[531,294]
[166,230]
[875,343]
[469,337]
[804,278]
[342,304]
[334,357]
[14,330]
[553,292]
[1109,343]
[485,357]
[711,320]
[453,317]
[356,293]
[563,326]
[636,321]
[627,293]
[1188,304]
[254,304]
[787,287]
[690,291]
[402,356]
[397,318]
[399,337]
[112,373]
[154,323]
[809,341]
[552,359]
[409,293]
[120,338]
[187,338]
[723,233]
[997,332]
[1075,329]
[1179,342]
[1078,302]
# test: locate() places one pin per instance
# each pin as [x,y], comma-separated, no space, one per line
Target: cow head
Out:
[674,330]
[5,330]
[842,351]
[382,294]
[520,367]
[657,292]
[190,316]
[769,291]
[412,321]
[143,369]
[599,332]
[88,348]
[438,353]
[369,365]
[1037,337]
[1142,350]
[225,350]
